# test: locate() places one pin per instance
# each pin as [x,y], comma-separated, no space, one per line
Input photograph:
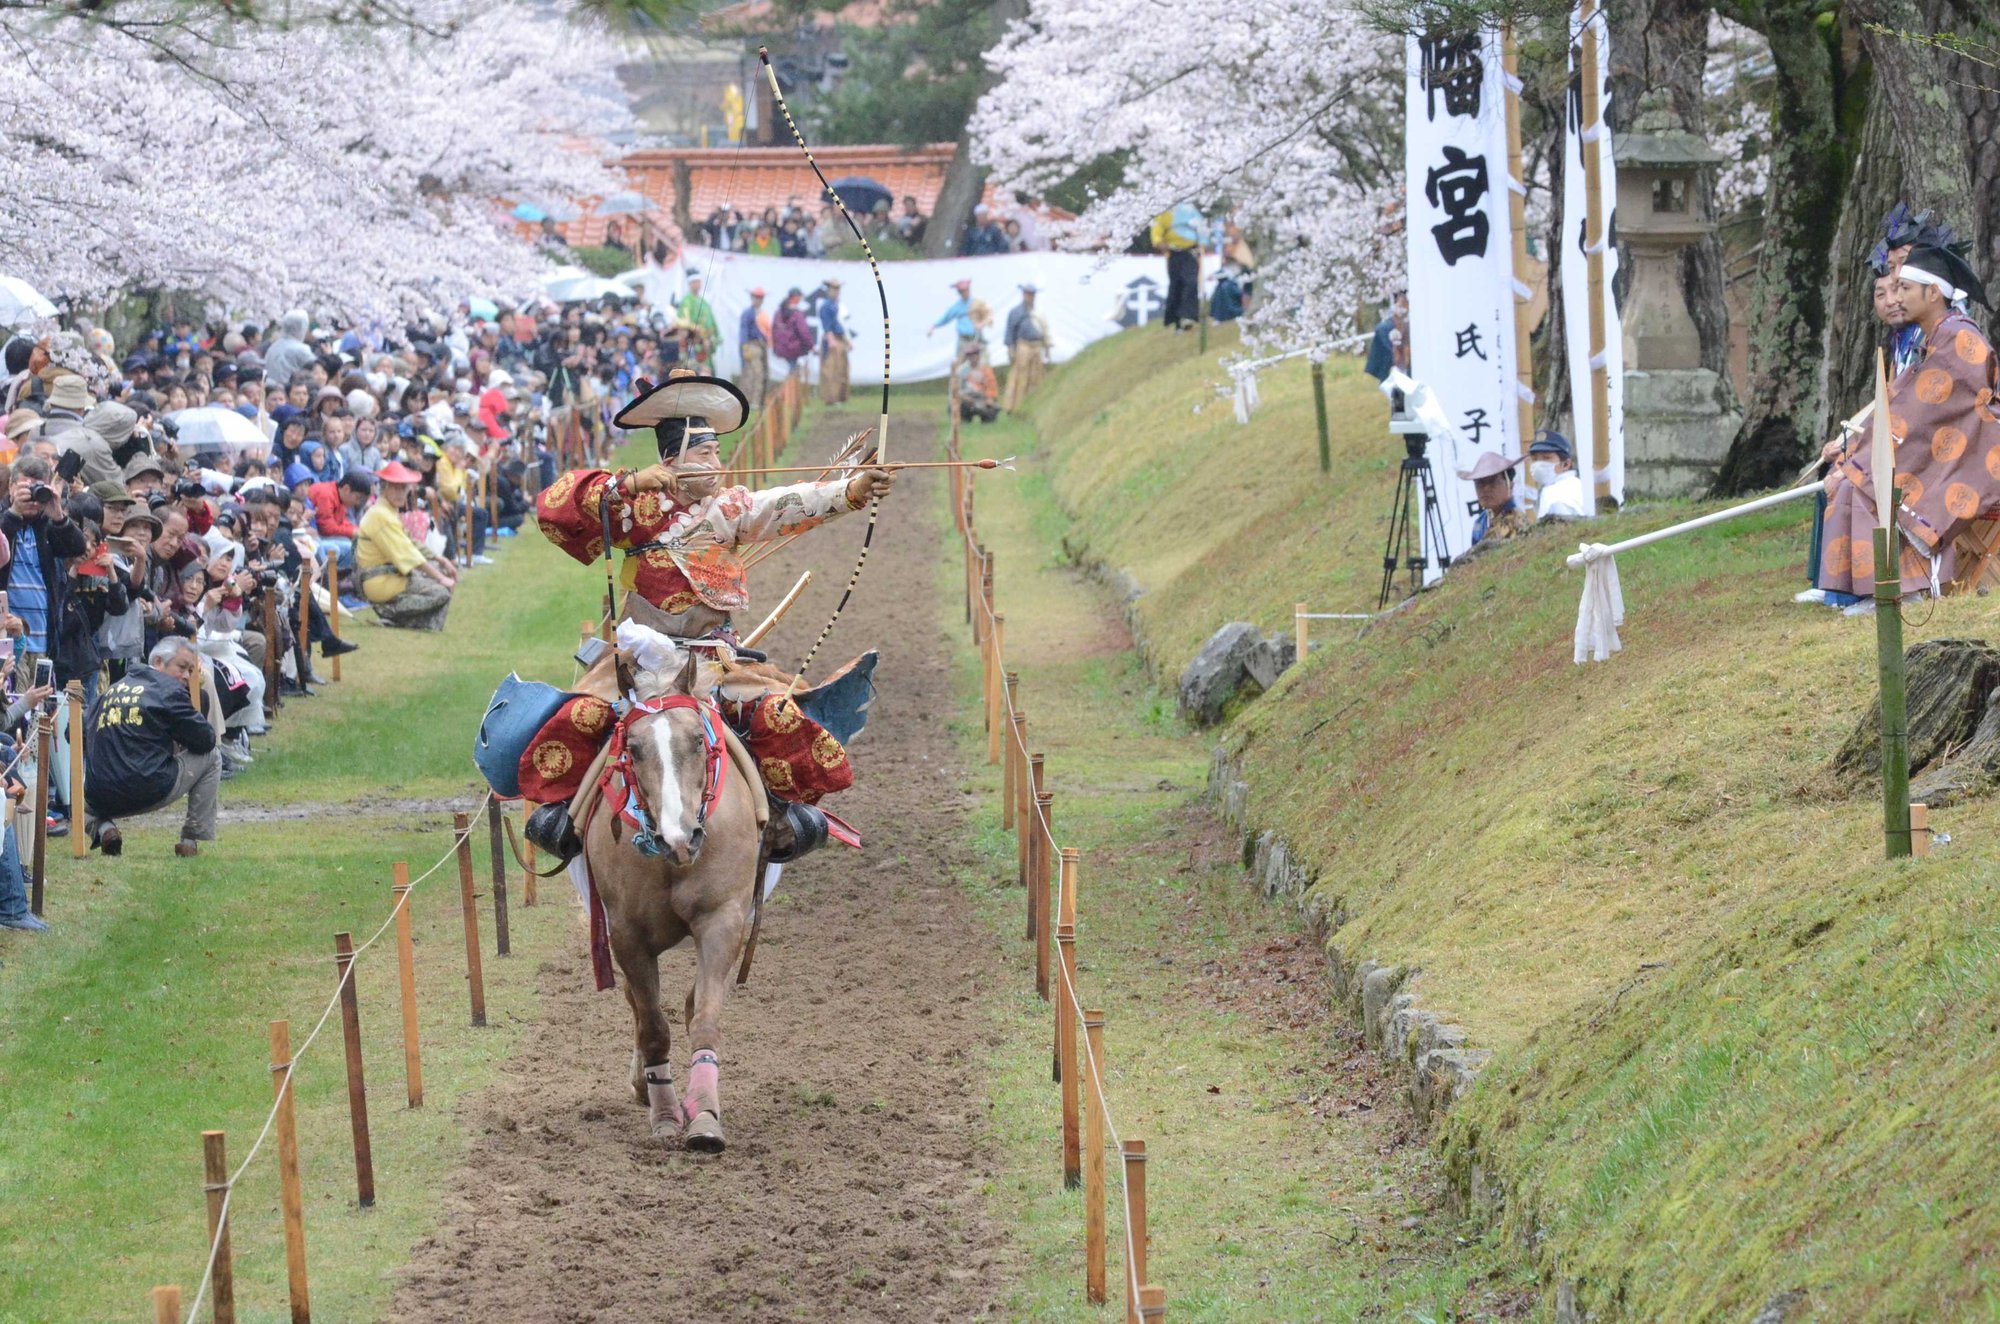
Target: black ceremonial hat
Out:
[1949,267]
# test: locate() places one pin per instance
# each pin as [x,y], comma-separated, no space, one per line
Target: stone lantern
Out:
[1679,416]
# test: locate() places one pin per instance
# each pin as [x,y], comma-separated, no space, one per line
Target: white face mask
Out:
[1543,472]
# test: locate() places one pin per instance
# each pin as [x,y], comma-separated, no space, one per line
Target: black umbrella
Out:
[860,194]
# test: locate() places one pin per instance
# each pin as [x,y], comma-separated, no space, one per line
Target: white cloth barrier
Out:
[1083,297]
[1602,610]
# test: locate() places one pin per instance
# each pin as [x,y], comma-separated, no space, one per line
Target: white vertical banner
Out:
[1460,260]
[1579,138]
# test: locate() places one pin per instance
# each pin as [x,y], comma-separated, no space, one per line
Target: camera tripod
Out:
[1405,548]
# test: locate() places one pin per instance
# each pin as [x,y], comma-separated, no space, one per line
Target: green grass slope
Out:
[1737,1054]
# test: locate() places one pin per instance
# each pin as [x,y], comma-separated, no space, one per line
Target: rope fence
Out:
[1050,875]
[217,1282]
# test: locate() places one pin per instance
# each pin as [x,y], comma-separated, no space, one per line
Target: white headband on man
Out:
[1918,276]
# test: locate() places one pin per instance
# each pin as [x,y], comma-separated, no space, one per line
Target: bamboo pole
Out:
[1319,415]
[406,963]
[469,910]
[79,840]
[498,848]
[1039,869]
[1133,1152]
[291,1197]
[1517,212]
[1895,711]
[1066,1056]
[166,1305]
[215,1187]
[1093,1157]
[333,605]
[43,741]
[357,1083]
[1592,121]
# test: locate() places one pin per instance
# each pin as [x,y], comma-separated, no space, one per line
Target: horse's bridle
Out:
[621,786]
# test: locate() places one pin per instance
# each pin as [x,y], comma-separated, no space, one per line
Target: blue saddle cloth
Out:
[518,709]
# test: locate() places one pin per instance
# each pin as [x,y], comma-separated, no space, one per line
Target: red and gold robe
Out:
[1943,423]
[681,558]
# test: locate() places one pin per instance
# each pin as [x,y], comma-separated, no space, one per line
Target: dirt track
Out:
[850,1081]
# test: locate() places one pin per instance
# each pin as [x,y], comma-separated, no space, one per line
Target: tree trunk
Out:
[1810,155]
[965,180]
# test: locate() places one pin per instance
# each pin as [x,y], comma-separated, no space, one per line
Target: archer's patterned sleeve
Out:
[571,514]
[778,512]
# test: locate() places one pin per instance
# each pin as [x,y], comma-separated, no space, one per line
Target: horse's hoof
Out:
[704,1134]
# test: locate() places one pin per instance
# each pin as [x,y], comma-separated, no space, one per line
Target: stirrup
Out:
[550,829]
[795,830]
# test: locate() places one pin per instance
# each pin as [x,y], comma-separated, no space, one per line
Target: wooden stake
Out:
[995,661]
[1301,630]
[1038,871]
[1134,1154]
[305,623]
[272,677]
[1021,818]
[498,846]
[1066,919]
[406,962]
[1066,1055]
[1152,1303]
[215,1185]
[469,909]
[166,1305]
[357,1083]
[528,879]
[41,856]
[1093,1157]
[588,631]
[1009,770]
[1920,830]
[290,1195]
[79,840]
[333,602]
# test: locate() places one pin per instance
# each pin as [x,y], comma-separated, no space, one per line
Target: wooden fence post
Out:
[166,1305]
[1066,876]
[272,699]
[43,731]
[215,1185]
[304,624]
[357,1083]
[1066,1055]
[995,660]
[528,879]
[1038,874]
[79,841]
[406,963]
[1134,1154]
[499,849]
[469,908]
[1152,1302]
[1024,851]
[1301,630]
[333,604]
[1093,1157]
[290,1195]
[1010,771]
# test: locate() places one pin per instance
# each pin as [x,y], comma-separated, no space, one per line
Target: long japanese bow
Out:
[882,426]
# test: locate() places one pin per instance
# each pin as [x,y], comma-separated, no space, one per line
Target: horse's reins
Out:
[631,807]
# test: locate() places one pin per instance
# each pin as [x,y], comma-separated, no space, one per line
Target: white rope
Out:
[290,1068]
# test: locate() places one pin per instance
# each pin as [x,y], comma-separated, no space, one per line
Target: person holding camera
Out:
[146,747]
[42,536]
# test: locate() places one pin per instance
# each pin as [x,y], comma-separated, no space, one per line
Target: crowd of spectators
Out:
[178,508]
[795,231]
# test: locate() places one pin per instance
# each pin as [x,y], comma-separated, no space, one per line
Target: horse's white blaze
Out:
[667,810]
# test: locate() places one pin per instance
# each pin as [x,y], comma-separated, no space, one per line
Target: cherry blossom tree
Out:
[352,169]
[1290,115]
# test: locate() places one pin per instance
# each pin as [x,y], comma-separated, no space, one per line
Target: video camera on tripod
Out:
[1416,416]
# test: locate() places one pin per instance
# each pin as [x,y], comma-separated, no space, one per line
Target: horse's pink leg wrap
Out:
[704,1085]
[663,1103]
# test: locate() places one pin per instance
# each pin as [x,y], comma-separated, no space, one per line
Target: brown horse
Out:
[699,884]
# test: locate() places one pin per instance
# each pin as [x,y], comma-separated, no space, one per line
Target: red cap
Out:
[395,471]
[756,291]
[961,285]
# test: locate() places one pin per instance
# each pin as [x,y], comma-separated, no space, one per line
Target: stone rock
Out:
[1442,1076]
[1235,658]
[1378,991]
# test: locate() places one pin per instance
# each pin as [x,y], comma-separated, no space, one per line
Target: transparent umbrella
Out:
[211,427]
[21,302]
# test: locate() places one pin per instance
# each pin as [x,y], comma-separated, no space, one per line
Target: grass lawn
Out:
[1738,1053]
[140,1019]
[1264,1206]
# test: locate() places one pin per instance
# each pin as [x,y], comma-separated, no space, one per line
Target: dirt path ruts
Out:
[850,1064]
